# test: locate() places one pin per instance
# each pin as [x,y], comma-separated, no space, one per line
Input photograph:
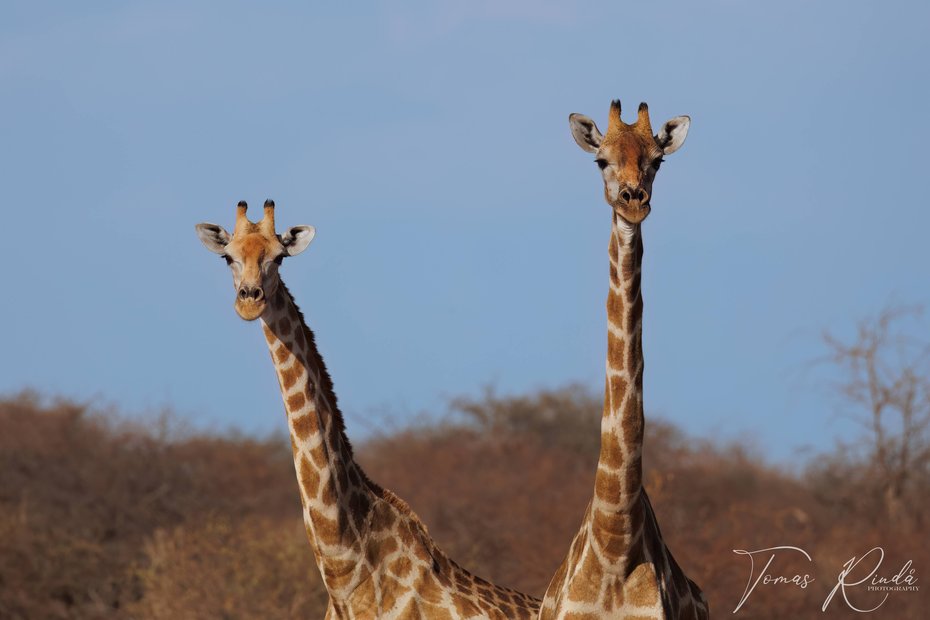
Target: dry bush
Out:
[506,484]
[568,418]
[229,569]
[884,386]
[99,519]
[80,494]
[504,492]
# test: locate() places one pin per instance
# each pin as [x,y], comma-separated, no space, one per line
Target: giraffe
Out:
[376,557]
[617,565]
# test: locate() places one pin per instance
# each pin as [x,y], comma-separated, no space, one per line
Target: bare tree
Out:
[885,386]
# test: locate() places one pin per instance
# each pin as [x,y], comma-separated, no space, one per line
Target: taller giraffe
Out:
[618,566]
[376,558]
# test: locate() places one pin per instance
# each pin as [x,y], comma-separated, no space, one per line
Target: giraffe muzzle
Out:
[250,302]
[251,293]
[635,196]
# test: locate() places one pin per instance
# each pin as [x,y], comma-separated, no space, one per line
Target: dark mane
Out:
[326,387]
[326,382]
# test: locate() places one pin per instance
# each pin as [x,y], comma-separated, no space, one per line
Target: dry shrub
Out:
[480,498]
[502,484]
[99,519]
[230,569]
[80,493]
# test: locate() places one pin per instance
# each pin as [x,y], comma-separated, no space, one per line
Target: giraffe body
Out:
[652,585]
[618,565]
[375,556]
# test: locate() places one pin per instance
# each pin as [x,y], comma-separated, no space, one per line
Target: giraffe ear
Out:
[213,236]
[585,132]
[297,238]
[673,134]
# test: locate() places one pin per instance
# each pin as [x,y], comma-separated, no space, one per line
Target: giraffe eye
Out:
[657,163]
[601,163]
[226,257]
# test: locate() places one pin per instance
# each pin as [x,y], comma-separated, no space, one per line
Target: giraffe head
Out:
[629,156]
[253,252]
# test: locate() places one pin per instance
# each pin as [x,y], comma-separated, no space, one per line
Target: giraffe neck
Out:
[335,493]
[617,511]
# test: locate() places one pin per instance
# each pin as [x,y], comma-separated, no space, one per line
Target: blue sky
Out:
[461,234]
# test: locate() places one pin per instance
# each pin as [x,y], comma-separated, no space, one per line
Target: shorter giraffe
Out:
[376,558]
[618,566]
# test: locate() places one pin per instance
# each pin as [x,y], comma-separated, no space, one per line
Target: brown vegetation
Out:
[885,387]
[100,519]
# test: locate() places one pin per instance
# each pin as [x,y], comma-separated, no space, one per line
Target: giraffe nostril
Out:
[251,293]
[625,194]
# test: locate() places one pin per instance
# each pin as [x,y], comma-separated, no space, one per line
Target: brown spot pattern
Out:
[609,538]
[607,486]
[611,451]
[642,587]
[309,478]
[616,352]
[588,587]
[289,376]
[618,390]
[615,308]
[304,426]
[295,402]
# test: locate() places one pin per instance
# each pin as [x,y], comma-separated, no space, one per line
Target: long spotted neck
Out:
[616,510]
[335,493]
